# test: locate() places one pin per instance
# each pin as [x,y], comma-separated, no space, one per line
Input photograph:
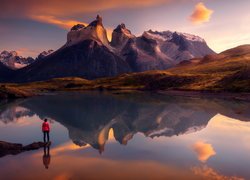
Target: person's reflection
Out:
[46,156]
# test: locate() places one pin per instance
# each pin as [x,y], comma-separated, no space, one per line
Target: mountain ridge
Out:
[124,54]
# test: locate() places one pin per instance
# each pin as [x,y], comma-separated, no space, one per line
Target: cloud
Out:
[64,23]
[203,150]
[64,8]
[27,52]
[210,173]
[201,14]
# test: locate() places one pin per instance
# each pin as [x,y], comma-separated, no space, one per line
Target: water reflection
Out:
[46,156]
[186,138]
[89,117]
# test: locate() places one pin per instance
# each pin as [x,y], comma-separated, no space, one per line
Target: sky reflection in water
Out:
[119,136]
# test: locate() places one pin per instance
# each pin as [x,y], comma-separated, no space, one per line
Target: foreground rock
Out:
[7,148]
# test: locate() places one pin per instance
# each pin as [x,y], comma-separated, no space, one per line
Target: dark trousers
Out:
[45,133]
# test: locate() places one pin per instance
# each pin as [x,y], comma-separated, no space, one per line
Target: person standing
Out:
[46,130]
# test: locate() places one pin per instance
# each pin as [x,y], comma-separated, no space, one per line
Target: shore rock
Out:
[7,148]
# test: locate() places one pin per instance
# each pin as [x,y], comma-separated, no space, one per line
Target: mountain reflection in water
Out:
[89,117]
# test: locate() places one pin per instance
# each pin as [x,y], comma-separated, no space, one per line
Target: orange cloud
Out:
[62,23]
[25,52]
[210,173]
[203,150]
[65,24]
[201,14]
[64,8]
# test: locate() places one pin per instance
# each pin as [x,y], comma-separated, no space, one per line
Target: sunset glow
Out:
[38,21]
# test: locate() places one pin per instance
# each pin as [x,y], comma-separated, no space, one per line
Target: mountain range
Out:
[13,61]
[88,54]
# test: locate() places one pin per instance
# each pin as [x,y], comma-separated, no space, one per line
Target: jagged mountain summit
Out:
[12,60]
[87,53]
[44,54]
[94,31]
[155,50]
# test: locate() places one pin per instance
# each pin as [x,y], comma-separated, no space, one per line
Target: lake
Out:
[118,136]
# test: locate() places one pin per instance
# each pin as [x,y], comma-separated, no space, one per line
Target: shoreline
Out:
[221,95]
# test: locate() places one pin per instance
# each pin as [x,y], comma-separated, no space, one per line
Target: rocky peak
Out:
[96,22]
[44,54]
[77,27]
[180,41]
[121,35]
[94,31]
[6,54]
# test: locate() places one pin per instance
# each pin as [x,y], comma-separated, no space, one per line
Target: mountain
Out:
[155,50]
[227,71]
[86,54]
[5,72]
[12,60]
[94,31]
[44,54]
[120,36]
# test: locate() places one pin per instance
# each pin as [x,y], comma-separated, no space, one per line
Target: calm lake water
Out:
[141,136]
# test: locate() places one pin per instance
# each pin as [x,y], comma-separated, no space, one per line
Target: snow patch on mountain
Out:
[13,61]
[191,37]
[168,35]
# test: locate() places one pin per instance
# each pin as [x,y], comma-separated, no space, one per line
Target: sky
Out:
[32,26]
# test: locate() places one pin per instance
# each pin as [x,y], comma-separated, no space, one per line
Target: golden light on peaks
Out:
[201,14]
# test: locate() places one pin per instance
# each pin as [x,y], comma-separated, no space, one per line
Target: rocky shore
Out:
[7,148]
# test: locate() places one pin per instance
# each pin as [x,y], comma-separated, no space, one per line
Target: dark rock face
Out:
[5,73]
[87,59]
[44,54]
[142,54]
[77,27]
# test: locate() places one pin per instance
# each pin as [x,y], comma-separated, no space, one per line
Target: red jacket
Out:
[45,126]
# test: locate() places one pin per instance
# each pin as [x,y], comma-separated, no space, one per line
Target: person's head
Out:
[45,120]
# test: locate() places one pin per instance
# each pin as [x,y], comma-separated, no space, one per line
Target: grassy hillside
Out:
[228,71]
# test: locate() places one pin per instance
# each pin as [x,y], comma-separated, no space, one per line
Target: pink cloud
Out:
[200,14]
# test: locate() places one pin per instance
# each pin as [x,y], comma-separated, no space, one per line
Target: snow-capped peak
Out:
[191,37]
[158,36]
[168,35]
[13,61]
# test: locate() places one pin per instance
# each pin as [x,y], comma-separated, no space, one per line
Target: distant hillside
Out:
[228,71]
